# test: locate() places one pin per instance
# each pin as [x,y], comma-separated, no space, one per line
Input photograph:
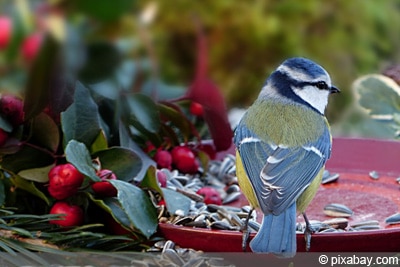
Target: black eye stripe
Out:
[321,85]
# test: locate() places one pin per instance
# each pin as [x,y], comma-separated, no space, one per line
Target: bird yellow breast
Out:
[244,182]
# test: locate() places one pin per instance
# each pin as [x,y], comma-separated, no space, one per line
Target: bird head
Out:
[302,81]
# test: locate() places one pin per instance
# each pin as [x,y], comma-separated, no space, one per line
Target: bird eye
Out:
[321,85]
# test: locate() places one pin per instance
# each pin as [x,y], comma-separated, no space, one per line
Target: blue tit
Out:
[282,144]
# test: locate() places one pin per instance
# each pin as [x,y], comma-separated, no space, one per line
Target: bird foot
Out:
[245,230]
[308,231]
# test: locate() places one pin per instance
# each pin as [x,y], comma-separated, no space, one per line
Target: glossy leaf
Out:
[42,72]
[113,207]
[102,54]
[137,205]
[78,155]
[81,120]
[46,132]
[28,186]
[379,95]
[100,143]
[26,158]
[176,202]
[127,142]
[144,113]
[150,180]
[171,112]
[2,193]
[5,125]
[125,163]
[36,174]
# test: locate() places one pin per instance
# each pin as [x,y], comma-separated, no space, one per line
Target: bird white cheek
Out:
[315,97]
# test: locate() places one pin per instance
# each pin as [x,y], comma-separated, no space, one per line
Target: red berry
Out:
[163,159]
[13,109]
[73,215]
[64,181]
[161,178]
[184,159]
[211,195]
[31,46]
[3,137]
[196,109]
[5,31]
[104,188]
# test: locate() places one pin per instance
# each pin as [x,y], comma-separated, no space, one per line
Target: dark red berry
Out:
[163,159]
[13,109]
[64,181]
[72,215]
[211,195]
[3,137]
[184,159]
[5,31]
[104,188]
[196,109]
[161,178]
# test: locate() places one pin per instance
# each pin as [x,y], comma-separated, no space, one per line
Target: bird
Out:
[282,142]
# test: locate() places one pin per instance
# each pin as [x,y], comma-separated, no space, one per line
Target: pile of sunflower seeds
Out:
[221,175]
[169,254]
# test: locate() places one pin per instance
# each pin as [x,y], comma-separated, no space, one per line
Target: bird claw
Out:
[308,231]
[245,230]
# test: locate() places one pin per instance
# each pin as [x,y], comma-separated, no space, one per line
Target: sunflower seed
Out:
[393,219]
[337,210]
[374,175]
[364,223]
[329,178]
[337,223]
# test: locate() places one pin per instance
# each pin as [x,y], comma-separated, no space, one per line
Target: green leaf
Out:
[127,142]
[78,155]
[36,174]
[173,113]
[81,121]
[102,54]
[100,143]
[150,180]
[104,10]
[379,95]
[125,163]
[137,205]
[113,207]
[38,87]
[144,113]
[28,186]
[26,158]
[2,193]
[176,201]
[45,132]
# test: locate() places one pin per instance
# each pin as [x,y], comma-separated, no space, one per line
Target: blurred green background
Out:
[247,40]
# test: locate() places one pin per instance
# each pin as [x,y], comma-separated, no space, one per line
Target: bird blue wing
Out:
[279,174]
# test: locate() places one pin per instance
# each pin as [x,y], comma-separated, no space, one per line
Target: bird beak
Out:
[334,90]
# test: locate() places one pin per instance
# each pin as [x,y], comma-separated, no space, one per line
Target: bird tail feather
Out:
[277,234]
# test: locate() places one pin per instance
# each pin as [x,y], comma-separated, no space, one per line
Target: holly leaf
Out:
[78,155]
[81,121]
[124,163]
[379,95]
[136,204]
